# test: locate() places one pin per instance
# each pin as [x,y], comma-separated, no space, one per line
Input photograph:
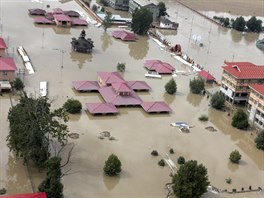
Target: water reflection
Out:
[169,98]
[74,117]
[194,99]
[110,182]
[81,58]
[106,41]
[232,167]
[139,49]
[251,37]
[236,36]
[60,30]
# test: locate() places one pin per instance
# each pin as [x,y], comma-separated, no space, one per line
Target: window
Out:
[4,73]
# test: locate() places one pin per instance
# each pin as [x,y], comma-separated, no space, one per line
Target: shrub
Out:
[154,153]
[2,191]
[181,160]
[18,84]
[196,85]
[161,162]
[102,9]
[121,67]
[235,157]
[203,118]
[72,106]
[228,180]
[94,8]
[260,140]
[240,120]
[171,151]
[218,100]
[112,166]
[171,87]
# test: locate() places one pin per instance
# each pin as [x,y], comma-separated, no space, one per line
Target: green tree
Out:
[181,160]
[141,21]
[32,124]
[196,85]
[239,24]
[107,20]
[52,183]
[240,120]
[235,157]
[162,9]
[121,67]
[190,181]
[171,87]
[94,8]
[18,84]
[226,22]
[254,25]
[218,100]
[112,166]
[260,140]
[72,106]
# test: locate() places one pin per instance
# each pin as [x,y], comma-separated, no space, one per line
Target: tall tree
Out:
[218,100]
[260,140]
[107,20]
[141,21]
[239,24]
[171,87]
[162,9]
[196,85]
[112,166]
[240,120]
[190,181]
[18,84]
[254,25]
[32,125]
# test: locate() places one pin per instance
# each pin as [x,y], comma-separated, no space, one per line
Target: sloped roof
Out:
[206,75]
[2,44]
[61,17]
[110,96]
[43,20]
[258,88]
[84,85]
[36,11]
[29,195]
[77,21]
[102,108]
[152,107]
[124,35]
[138,85]
[7,64]
[110,77]
[71,13]
[159,66]
[58,11]
[121,87]
[244,70]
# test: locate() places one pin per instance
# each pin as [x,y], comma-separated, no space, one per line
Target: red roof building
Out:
[62,20]
[78,22]
[156,107]
[206,76]
[72,13]
[124,35]
[159,66]
[121,88]
[3,46]
[84,85]
[101,108]
[138,85]
[36,11]
[57,11]
[43,20]
[29,195]
[107,78]
[7,68]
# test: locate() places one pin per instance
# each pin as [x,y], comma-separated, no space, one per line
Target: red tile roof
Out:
[155,107]
[258,88]
[124,35]
[159,66]
[77,21]
[138,85]
[7,64]
[121,87]
[244,70]
[206,75]
[2,44]
[61,17]
[101,108]
[58,11]
[36,11]
[29,195]
[110,77]
[84,85]
[43,20]
[110,96]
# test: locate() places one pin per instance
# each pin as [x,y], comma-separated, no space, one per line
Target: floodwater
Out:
[137,133]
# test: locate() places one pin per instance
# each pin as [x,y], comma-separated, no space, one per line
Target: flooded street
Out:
[137,133]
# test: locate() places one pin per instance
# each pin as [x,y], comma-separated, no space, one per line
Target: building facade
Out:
[135,4]
[7,69]
[236,78]
[119,4]
[256,105]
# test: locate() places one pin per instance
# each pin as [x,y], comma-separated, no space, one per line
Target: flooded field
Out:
[137,133]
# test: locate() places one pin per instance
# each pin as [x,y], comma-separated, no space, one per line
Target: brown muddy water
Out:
[137,133]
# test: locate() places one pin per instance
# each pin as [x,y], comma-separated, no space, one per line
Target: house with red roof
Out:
[156,107]
[85,85]
[124,35]
[236,78]
[206,76]
[256,105]
[101,108]
[159,66]
[107,78]
[62,20]
[3,46]
[28,195]
[7,69]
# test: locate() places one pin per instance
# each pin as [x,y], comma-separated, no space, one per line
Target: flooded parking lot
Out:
[137,133]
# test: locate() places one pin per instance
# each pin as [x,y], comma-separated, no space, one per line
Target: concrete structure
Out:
[256,105]
[165,23]
[135,4]
[3,47]
[119,4]
[236,78]
[7,69]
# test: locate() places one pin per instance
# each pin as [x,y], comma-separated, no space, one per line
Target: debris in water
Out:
[210,128]
[73,135]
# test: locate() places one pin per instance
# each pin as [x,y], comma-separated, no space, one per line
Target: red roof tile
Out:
[110,96]
[159,66]
[206,75]
[138,85]
[36,11]
[152,107]
[2,44]
[110,77]
[258,88]
[29,195]
[244,70]
[84,85]
[77,21]
[101,108]
[124,35]
[121,87]
[7,64]
[58,11]
[61,17]
[43,20]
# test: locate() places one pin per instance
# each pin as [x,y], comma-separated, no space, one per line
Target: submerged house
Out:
[3,47]
[165,23]
[62,20]
[7,69]
[82,44]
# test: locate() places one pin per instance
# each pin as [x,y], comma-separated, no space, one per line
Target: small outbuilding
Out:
[36,11]
[82,44]
[124,35]
[206,76]
[156,107]
[101,108]
[85,86]
[3,46]
[159,66]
